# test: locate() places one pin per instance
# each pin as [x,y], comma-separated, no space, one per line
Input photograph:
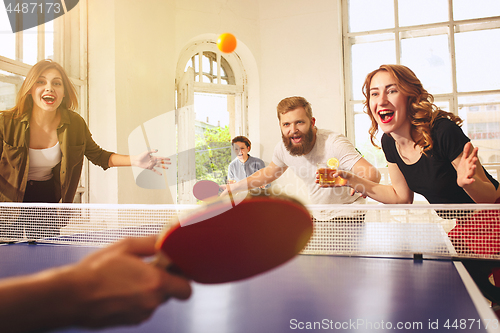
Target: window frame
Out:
[398,32]
[236,88]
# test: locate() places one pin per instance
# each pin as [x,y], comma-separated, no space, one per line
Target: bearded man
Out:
[303,146]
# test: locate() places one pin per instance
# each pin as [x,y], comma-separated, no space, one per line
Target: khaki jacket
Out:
[75,140]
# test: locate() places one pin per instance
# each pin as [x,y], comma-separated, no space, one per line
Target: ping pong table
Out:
[314,292]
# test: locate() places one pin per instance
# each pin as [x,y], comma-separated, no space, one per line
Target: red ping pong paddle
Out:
[205,189]
[224,242]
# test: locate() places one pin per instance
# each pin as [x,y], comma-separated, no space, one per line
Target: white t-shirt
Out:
[42,161]
[328,144]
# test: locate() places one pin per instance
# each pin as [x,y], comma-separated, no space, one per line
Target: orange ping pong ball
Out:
[226,42]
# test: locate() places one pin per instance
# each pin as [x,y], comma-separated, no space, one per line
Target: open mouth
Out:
[49,99]
[296,139]
[386,115]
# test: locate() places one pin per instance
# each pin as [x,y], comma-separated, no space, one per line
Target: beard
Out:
[303,147]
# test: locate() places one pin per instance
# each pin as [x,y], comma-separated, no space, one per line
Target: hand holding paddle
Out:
[224,241]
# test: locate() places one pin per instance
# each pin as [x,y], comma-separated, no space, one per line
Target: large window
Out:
[211,102]
[63,40]
[451,45]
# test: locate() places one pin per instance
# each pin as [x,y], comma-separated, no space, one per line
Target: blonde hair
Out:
[24,100]
[420,105]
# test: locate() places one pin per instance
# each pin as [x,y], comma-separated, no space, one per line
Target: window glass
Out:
[477,60]
[217,110]
[481,116]
[413,12]
[429,58]
[370,15]
[213,141]
[445,106]
[49,40]
[210,68]
[7,95]
[7,38]
[467,9]
[206,65]
[366,58]
[371,153]
[30,46]
[211,109]
[215,69]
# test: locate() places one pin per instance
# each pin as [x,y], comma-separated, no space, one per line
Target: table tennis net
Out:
[373,230]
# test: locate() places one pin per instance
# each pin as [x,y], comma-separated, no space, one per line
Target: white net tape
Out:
[386,230]
[85,224]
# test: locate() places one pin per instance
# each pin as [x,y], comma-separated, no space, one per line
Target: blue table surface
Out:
[357,294]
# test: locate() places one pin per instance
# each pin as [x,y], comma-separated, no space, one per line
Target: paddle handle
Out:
[162,261]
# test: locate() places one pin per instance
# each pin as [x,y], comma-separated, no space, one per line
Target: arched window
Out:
[211,110]
[210,68]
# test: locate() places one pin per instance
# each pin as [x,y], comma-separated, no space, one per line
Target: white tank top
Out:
[42,161]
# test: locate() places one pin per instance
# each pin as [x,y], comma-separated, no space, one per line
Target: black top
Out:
[433,175]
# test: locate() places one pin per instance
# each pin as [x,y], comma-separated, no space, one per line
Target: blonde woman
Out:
[44,141]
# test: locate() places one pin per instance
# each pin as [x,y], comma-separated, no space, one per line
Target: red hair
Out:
[421,108]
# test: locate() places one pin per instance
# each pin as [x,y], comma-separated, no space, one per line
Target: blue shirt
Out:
[238,171]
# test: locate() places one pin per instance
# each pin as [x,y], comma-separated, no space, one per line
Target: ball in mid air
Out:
[226,42]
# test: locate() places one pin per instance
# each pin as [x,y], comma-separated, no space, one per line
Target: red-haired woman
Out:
[425,148]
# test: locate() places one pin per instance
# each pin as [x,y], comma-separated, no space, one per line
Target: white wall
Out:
[131,80]
[288,47]
[103,186]
[196,18]
[301,56]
